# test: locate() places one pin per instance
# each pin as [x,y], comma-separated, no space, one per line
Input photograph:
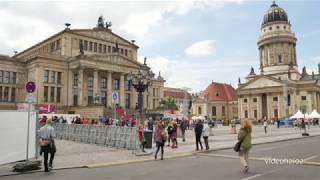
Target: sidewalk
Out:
[71,154]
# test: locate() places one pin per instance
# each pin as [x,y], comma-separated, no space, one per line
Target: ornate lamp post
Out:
[141,80]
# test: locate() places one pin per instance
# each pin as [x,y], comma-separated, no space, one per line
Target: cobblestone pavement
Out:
[72,154]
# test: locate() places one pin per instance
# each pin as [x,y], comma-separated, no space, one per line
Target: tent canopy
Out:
[298,115]
[314,114]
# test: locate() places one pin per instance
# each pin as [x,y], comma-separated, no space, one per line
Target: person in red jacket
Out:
[141,138]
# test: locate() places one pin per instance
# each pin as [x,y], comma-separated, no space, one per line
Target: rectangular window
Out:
[53,77]
[90,96]
[80,43]
[90,81]
[103,83]
[6,77]
[153,103]
[75,96]
[58,100]
[104,97]
[245,100]
[59,78]
[104,48]
[255,114]
[280,58]
[58,44]
[100,48]
[116,84]
[275,113]
[114,49]
[275,98]
[75,79]
[246,113]
[95,47]
[13,77]
[85,45]
[1,76]
[223,110]
[254,100]
[109,49]
[45,94]
[1,93]
[90,46]
[121,51]
[154,91]
[46,76]
[52,46]
[126,52]
[214,111]
[6,94]
[127,101]
[289,100]
[52,94]
[127,86]
[13,94]
[303,98]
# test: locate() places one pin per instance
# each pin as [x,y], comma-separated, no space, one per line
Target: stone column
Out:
[279,106]
[49,94]
[2,95]
[70,88]
[9,94]
[122,89]
[80,87]
[109,89]
[269,105]
[133,98]
[95,83]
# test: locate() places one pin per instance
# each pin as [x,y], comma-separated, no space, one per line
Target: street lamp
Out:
[141,80]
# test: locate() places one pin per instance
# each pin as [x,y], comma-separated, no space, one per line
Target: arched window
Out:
[199,111]
[214,111]
[223,110]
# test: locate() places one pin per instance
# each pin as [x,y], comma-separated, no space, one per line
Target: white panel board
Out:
[13,136]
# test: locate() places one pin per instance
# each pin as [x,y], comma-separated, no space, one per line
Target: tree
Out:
[170,103]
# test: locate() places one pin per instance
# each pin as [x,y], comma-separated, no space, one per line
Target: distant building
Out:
[279,89]
[183,98]
[217,102]
[77,70]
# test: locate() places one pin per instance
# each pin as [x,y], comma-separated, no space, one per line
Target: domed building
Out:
[279,90]
[217,102]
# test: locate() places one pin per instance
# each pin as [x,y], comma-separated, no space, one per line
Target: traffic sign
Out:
[115,97]
[30,98]
[30,86]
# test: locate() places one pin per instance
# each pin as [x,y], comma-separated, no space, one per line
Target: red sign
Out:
[46,108]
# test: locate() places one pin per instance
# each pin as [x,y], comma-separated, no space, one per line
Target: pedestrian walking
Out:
[160,139]
[183,127]
[47,135]
[174,135]
[278,123]
[169,130]
[141,138]
[198,131]
[265,125]
[244,137]
[206,133]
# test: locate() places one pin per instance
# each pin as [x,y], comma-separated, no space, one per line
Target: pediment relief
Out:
[261,83]
[109,60]
[105,35]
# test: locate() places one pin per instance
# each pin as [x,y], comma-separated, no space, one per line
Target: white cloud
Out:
[316,59]
[201,48]
[195,75]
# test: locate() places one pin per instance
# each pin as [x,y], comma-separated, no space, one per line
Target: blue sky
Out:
[191,42]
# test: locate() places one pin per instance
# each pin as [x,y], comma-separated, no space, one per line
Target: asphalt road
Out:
[220,165]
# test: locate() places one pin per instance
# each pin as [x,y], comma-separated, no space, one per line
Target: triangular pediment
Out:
[106,35]
[262,82]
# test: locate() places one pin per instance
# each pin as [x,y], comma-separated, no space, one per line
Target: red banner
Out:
[46,108]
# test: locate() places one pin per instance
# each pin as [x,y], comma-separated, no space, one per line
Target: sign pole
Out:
[28,129]
[30,88]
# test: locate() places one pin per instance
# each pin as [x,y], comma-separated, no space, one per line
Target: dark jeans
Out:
[265,129]
[205,138]
[46,151]
[159,145]
[198,140]
[183,132]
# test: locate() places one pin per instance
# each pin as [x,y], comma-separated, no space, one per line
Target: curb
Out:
[38,171]
[282,140]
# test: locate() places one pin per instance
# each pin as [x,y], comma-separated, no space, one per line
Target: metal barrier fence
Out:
[112,136]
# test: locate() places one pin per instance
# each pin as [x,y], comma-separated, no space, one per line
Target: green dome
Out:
[275,13]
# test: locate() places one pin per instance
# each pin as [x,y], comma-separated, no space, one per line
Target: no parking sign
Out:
[115,97]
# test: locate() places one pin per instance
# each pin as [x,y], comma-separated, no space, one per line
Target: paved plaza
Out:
[71,154]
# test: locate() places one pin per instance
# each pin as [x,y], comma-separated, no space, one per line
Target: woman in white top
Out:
[205,133]
[265,125]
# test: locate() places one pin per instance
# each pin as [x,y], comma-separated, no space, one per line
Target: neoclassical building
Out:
[218,101]
[77,70]
[279,89]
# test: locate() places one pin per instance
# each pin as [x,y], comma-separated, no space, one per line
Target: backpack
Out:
[163,136]
[169,129]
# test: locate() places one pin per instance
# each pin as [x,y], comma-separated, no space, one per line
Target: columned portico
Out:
[122,89]
[109,89]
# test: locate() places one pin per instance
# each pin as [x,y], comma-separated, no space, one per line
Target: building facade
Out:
[217,102]
[182,96]
[77,70]
[279,89]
